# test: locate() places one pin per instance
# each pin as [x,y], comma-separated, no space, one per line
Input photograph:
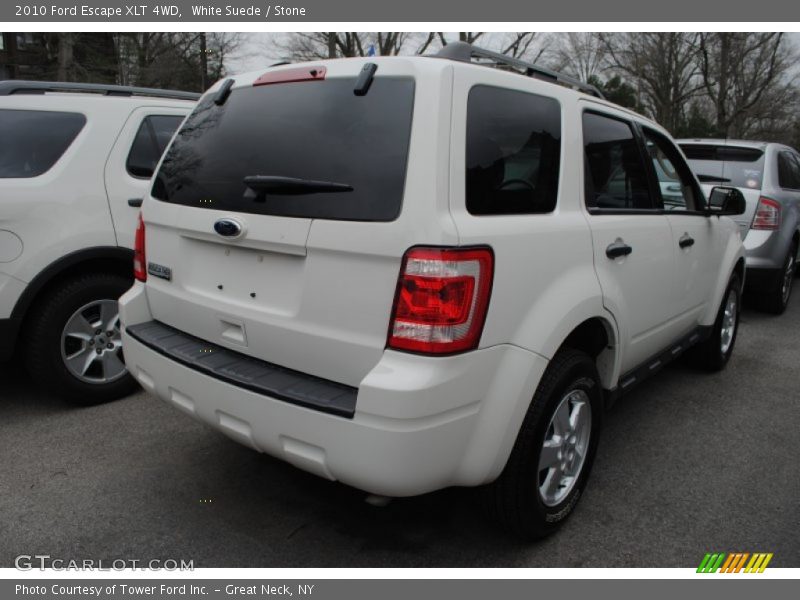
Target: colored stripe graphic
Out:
[711,562]
[741,562]
[734,562]
[758,563]
[732,558]
[703,563]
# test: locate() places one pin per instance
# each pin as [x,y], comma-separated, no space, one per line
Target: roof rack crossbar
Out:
[19,86]
[464,52]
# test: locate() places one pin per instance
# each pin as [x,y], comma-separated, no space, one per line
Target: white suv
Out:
[75,162]
[412,273]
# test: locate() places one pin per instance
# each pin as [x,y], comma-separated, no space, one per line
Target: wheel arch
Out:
[103,259]
[734,257]
[597,337]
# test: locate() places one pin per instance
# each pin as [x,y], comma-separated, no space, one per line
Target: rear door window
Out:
[316,131]
[616,177]
[151,139]
[32,141]
[513,152]
[732,165]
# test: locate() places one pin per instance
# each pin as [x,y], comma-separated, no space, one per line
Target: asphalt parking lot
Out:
[688,463]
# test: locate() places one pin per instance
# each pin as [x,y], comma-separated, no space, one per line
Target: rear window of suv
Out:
[732,165]
[317,131]
[32,141]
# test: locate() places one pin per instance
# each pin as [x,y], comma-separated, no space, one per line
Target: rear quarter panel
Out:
[544,281]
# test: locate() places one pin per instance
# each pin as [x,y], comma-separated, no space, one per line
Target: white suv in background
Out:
[413,273]
[75,162]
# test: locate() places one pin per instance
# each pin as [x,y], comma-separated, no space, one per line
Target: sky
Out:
[258,51]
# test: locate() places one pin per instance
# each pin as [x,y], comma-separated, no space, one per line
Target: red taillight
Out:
[768,214]
[139,264]
[441,300]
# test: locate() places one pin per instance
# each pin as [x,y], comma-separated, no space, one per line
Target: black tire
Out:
[709,354]
[514,499]
[42,338]
[777,299]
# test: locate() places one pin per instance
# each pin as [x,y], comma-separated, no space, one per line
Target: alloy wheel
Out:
[91,345]
[566,444]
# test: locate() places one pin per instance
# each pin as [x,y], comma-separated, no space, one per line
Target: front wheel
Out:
[72,339]
[713,354]
[553,454]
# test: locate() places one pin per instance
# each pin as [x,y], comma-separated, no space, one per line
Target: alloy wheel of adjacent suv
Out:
[72,340]
[91,345]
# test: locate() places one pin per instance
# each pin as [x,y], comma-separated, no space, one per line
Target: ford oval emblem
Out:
[228,228]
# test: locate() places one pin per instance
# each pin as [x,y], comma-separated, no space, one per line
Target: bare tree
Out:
[470,36]
[521,44]
[190,61]
[426,43]
[66,62]
[530,45]
[580,54]
[742,74]
[663,68]
[317,45]
[220,46]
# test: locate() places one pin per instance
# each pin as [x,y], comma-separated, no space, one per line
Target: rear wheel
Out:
[72,340]
[778,298]
[553,454]
[713,354]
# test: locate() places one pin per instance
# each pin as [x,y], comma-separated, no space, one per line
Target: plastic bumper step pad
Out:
[246,372]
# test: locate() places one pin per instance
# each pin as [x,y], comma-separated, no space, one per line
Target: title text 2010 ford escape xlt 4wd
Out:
[412,273]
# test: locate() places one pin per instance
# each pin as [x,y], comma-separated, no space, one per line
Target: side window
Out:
[34,140]
[149,144]
[675,181]
[616,177]
[788,175]
[513,152]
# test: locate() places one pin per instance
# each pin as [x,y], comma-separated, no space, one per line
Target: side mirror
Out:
[726,201]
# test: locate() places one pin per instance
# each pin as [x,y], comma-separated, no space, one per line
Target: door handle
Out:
[617,249]
[686,241]
[135,202]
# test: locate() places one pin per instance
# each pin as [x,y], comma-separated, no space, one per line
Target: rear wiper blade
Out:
[274,184]
[709,178]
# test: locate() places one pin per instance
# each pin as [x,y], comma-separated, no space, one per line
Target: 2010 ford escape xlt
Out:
[412,273]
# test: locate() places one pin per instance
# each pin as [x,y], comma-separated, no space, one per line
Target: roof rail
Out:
[464,52]
[18,86]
